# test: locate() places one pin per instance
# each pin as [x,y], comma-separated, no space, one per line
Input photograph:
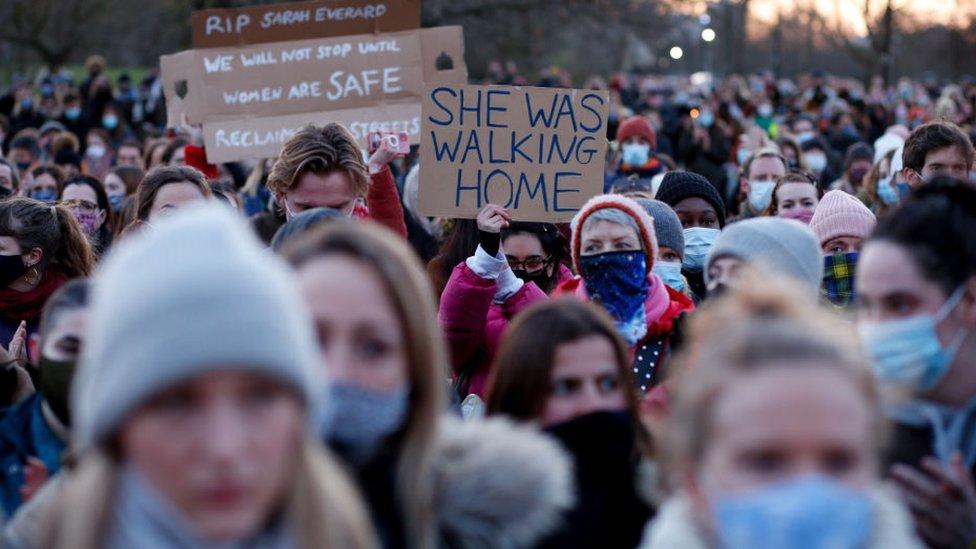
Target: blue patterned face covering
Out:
[618,281]
[810,512]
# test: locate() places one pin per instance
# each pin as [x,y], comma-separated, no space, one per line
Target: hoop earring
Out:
[33,277]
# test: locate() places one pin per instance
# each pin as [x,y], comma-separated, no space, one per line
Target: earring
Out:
[33,276]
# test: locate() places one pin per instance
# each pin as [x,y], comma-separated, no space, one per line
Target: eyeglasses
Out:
[533,263]
[83,206]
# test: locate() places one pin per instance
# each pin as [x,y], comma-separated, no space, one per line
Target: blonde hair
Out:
[319,150]
[409,290]
[757,326]
[322,504]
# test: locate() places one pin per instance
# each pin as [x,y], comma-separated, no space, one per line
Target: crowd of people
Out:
[762,334]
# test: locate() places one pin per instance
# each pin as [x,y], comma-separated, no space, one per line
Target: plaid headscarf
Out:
[838,279]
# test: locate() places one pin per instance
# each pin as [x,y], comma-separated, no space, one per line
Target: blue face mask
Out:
[110,121]
[618,281]
[698,241]
[635,154]
[908,351]
[887,192]
[72,113]
[809,512]
[670,273]
[116,201]
[706,119]
[44,195]
[359,420]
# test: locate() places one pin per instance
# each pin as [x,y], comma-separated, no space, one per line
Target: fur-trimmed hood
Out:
[498,484]
[675,525]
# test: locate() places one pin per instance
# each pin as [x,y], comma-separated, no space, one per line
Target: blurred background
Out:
[921,39]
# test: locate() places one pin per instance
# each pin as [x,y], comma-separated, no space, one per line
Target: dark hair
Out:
[792,176]
[520,382]
[225,192]
[104,235]
[554,244]
[130,176]
[460,243]
[161,176]
[53,229]
[28,142]
[150,149]
[935,225]
[52,170]
[131,143]
[300,224]
[933,136]
[14,173]
[73,295]
[171,149]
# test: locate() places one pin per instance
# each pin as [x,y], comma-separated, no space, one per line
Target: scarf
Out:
[143,518]
[27,305]
[838,278]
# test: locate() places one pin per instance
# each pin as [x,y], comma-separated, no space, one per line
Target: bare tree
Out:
[52,29]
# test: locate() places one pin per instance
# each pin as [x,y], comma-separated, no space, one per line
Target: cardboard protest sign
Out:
[262,137]
[540,152]
[216,28]
[253,96]
[306,75]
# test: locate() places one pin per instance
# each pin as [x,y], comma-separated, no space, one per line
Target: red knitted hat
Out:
[636,125]
[618,202]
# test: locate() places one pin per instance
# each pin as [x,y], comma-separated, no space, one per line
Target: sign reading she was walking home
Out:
[539,152]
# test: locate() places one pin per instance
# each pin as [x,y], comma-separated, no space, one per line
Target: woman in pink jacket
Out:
[515,265]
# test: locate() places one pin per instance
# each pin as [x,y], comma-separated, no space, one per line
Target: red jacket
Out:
[474,324]
[383,203]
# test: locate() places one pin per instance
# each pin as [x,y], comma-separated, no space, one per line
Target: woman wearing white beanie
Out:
[191,399]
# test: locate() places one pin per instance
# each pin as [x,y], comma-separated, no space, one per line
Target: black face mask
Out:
[11,268]
[541,278]
[55,385]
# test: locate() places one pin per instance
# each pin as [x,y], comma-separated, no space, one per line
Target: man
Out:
[34,432]
[129,153]
[758,179]
[637,141]
[322,166]
[936,148]
[25,153]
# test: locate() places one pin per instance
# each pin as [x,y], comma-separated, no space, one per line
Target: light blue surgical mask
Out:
[760,194]
[908,351]
[44,195]
[886,192]
[698,241]
[635,154]
[116,201]
[359,420]
[670,274]
[808,512]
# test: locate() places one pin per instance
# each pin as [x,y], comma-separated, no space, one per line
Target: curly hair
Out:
[319,150]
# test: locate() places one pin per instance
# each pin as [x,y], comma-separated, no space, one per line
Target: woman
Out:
[492,286]
[563,366]
[841,223]
[775,433]
[121,182]
[462,236]
[41,247]
[208,446]
[45,184]
[670,244]
[795,196]
[614,248]
[702,213]
[86,198]
[916,285]
[428,479]
[168,188]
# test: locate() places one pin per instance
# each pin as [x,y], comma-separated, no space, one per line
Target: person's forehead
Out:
[952,154]
[767,164]
[79,192]
[693,205]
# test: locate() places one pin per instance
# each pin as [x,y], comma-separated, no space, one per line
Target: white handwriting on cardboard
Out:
[284,18]
[225,63]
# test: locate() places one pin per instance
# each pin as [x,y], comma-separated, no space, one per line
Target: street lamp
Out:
[676,53]
[708,34]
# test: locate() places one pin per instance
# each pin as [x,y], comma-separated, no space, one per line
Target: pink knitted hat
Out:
[626,205]
[841,214]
